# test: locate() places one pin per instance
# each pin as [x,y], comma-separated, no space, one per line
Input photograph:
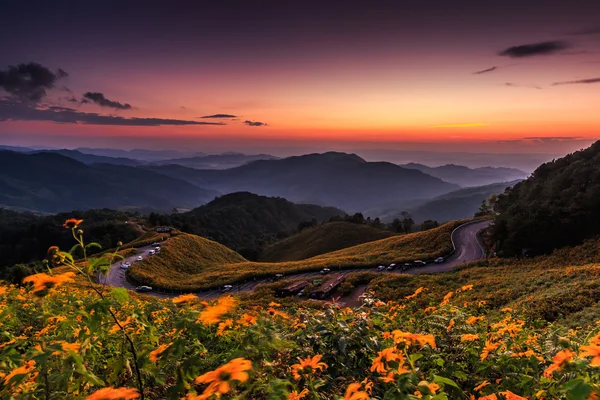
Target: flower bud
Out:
[79,232]
[119,243]
[564,342]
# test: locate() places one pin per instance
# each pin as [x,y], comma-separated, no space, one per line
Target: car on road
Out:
[439,260]
[405,266]
[143,289]
[157,249]
[124,266]
[419,263]
[278,277]
[391,267]
[325,271]
[140,258]
[152,252]
[154,244]
[226,288]
[301,293]
[381,268]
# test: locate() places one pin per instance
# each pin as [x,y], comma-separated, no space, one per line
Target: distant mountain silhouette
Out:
[335,179]
[470,177]
[463,203]
[50,182]
[91,158]
[217,161]
[140,154]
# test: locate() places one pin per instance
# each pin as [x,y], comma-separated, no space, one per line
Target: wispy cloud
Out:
[30,81]
[512,84]
[578,82]
[219,116]
[535,49]
[594,30]
[15,111]
[98,98]
[485,71]
[471,125]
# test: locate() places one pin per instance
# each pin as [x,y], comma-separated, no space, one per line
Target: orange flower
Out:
[110,393]
[308,365]
[44,282]
[595,339]
[560,359]
[506,309]
[218,380]
[212,314]
[408,338]
[489,346]
[481,386]
[426,388]
[117,328]
[430,309]
[247,320]
[489,397]
[184,298]
[383,357]
[450,325]
[224,325]
[155,354]
[294,395]
[469,337]
[472,319]
[70,347]
[25,369]
[592,350]
[466,288]
[446,299]
[354,392]
[508,395]
[412,296]
[72,223]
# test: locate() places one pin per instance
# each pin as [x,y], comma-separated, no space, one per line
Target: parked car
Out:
[278,277]
[154,244]
[152,252]
[391,267]
[419,263]
[439,260]
[301,293]
[142,289]
[381,268]
[140,258]
[124,266]
[406,266]
[325,271]
[226,288]
[157,249]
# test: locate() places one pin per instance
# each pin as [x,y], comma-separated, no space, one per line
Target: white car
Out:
[143,289]
[325,271]
[140,258]
[152,252]
[226,288]
[124,266]
[439,260]
[381,268]
[157,249]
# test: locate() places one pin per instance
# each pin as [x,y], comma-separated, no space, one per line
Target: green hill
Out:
[558,205]
[246,222]
[183,269]
[321,239]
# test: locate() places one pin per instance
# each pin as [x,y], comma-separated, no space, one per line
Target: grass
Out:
[322,239]
[187,262]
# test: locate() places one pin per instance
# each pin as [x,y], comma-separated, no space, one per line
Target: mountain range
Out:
[469,177]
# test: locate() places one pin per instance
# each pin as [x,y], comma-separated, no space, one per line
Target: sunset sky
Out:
[510,76]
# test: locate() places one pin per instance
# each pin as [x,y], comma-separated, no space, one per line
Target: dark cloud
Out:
[534,49]
[12,110]
[254,123]
[588,31]
[72,99]
[577,82]
[102,101]
[29,82]
[484,71]
[511,84]
[220,116]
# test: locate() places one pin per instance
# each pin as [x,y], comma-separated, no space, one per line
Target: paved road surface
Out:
[468,248]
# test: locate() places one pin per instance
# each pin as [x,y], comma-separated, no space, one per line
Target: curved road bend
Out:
[468,248]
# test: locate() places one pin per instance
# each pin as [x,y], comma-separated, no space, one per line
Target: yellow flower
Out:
[472,319]
[224,325]
[184,298]
[117,328]
[507,309]
[446,299]
[155,354]
[44,282]
[354,392]
[489,397]
[481,386]
[489,346]
[110,393]
[450,325]
[412,296]
[592,350]
[508,395]
[383,357]
[469,337]
[218,380]
[308,365]
[560,359]
[294,395]
[247,320]
[71,347]
[212,314]
[408,338]
[25,369]
[72,223]
[466,288]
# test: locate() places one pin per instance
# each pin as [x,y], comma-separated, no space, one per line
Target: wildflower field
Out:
[64,337]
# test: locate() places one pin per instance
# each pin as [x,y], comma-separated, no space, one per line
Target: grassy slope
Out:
[182,267]
[320,240]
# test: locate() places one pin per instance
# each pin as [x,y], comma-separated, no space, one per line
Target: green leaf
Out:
[120,295]
[415,357]
[445,381]
[577,389]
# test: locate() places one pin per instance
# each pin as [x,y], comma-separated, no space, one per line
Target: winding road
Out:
[465,240]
